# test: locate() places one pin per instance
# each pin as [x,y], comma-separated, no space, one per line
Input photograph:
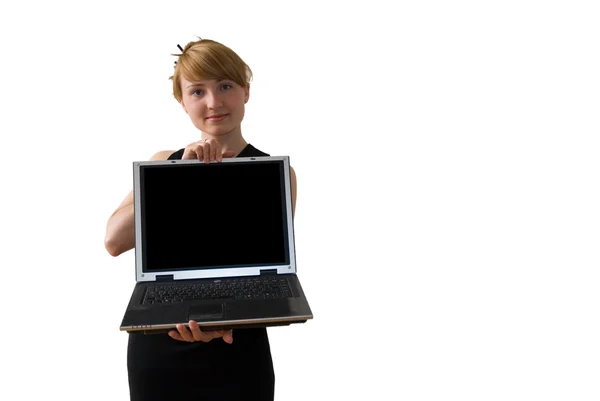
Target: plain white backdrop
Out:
[447,219]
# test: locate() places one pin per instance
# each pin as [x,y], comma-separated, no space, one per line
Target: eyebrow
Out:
[199,84]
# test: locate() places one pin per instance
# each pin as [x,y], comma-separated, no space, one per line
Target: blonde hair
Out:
[207,59]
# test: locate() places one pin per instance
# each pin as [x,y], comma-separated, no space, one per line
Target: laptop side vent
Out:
[164,277]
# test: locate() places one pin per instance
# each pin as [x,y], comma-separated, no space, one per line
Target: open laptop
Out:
[214,243]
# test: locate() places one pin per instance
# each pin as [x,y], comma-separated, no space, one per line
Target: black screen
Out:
[213,215]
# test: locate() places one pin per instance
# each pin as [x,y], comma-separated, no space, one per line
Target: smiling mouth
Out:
[217,117]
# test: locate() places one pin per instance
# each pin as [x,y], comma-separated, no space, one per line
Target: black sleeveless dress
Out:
[163,369]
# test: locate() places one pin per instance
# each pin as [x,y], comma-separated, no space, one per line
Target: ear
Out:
[247,90]
[183,106]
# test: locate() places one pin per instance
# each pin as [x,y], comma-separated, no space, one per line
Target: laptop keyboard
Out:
[267,287]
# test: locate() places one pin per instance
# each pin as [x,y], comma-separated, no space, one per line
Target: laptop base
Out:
[238,327]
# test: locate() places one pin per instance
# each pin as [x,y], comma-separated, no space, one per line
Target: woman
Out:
[212,84]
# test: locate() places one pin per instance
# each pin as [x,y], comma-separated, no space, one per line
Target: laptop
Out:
[214,243]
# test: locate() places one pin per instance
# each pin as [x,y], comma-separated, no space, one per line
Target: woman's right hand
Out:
[207,150]
[193,334]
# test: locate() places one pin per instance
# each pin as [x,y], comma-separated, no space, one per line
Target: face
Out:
[215,107]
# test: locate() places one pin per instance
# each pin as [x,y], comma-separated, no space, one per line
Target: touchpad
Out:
[206,312]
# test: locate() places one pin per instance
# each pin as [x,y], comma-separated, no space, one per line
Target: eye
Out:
[198,92]
[226,86]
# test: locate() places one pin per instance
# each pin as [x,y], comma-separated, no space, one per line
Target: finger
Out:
[219,333]
[214,150]
[228,336]
[189,153]
[184,333]
[229,153]
[212,334]
[206,151]
[218,152]
[197,334]
[201,335]
[174,334]
[196,152]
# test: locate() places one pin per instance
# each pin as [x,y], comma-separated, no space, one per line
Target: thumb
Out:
[228,336]
[229,153]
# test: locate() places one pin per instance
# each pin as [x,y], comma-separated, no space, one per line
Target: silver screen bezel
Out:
[142,275]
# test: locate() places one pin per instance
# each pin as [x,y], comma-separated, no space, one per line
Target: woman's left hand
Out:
[193,334]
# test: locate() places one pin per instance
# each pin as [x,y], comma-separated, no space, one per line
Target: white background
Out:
[448,203]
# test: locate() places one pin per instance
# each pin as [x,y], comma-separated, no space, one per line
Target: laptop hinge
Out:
[164,277]
[268,272]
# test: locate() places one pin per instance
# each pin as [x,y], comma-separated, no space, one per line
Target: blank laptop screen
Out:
[213,215]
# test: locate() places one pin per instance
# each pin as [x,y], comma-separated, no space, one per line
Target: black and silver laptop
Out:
[214,243]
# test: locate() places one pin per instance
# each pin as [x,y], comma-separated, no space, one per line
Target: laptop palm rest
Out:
[206,312]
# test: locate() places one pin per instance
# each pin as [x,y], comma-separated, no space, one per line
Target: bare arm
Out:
[120,236]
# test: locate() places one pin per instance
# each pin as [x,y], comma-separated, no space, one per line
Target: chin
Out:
[219,131]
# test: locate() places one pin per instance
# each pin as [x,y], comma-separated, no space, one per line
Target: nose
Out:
[213,99]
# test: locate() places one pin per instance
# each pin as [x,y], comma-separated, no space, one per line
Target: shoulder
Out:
[260,153]
[251,151]
[163,155]
[293,179]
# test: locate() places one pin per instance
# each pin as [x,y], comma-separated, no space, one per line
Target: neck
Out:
[231,141]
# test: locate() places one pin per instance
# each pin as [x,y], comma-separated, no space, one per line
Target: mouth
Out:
[217,117]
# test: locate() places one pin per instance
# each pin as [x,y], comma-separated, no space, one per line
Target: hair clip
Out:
[179,47]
